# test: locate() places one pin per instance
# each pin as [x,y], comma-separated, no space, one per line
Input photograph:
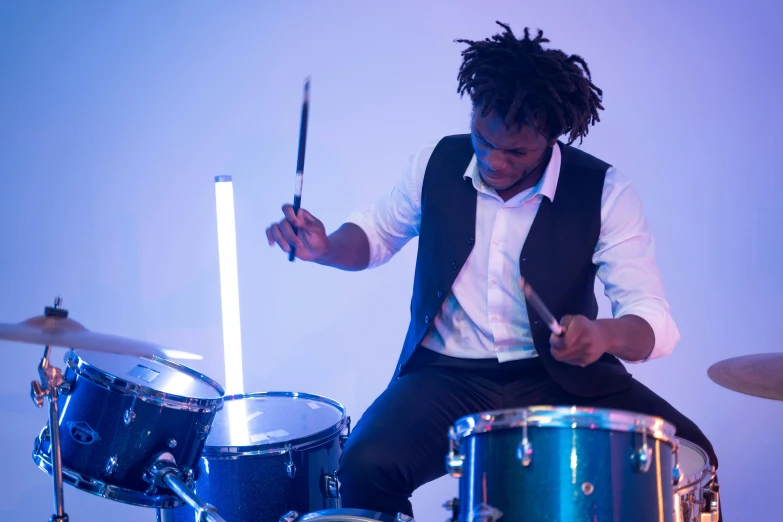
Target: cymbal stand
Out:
[164,472]
[51,385]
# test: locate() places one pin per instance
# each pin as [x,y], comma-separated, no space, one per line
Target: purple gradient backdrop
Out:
[114,119]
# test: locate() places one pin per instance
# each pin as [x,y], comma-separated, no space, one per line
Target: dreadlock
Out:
[527,84]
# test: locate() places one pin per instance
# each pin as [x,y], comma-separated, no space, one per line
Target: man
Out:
[507,201]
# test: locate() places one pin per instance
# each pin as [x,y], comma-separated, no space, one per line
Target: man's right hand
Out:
[310,241]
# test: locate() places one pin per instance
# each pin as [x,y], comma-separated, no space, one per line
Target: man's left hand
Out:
[583,343]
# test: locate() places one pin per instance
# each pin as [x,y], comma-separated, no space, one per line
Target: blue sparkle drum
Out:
[563,464]
[118,413]
[271,453]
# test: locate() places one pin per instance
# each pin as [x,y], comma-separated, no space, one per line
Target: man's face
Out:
[506,155]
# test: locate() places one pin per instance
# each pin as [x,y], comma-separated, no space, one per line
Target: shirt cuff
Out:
[665,331]
[379,252]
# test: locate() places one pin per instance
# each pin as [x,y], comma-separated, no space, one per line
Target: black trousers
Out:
[401,441]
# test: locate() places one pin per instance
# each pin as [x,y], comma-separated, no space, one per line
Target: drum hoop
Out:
[279,448]
[563,417]
[697,480]
[100,377]
[101,489]
[340,515]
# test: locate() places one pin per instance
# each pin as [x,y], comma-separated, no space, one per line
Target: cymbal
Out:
[67,333]
[760,375]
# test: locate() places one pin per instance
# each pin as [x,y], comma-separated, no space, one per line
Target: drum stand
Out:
[51,385]
[164,473]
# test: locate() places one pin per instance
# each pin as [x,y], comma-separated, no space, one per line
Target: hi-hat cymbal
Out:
[760,375]
[67,333]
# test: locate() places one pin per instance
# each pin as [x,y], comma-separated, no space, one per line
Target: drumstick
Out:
[538,305]
[300,160]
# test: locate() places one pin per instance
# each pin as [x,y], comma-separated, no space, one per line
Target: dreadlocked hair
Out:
[527,84]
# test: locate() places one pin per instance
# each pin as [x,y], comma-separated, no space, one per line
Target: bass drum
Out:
[271,453]
[344,515]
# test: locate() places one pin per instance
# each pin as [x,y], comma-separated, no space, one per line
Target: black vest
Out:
[556,258]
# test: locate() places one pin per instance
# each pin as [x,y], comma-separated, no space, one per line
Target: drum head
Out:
[156,375]
[345,515]
[694,465]
[254,423]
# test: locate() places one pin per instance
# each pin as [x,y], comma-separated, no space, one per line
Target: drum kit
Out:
[129,424]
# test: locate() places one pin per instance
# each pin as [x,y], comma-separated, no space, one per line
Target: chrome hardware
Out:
[330,486]
[344,437]
[111,465]
[65,387]
[676,472]
[37,393]
[290,467]
[203,432]
[187,476]
[130,415]
[453,506]
[454,460]
[402,517]
[289,517]
[525,449]
[172,443]
[642,458]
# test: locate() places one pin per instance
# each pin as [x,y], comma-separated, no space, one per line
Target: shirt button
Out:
[470,241]
[494,319]
[494,281]
[454,266]
[440,294]
[426,319]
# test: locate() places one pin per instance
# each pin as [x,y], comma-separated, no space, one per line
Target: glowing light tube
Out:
[229,284]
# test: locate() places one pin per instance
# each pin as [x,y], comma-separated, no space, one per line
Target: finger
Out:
[279,239]
[307,217]
[567,321]
[269,236]
[557,342]
[288,233]
[294,219]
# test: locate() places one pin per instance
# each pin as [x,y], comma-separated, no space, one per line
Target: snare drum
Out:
[271,453]
[563,463]
[118,412]
[696,494]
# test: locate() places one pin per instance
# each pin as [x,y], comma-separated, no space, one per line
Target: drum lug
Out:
[642,458]
[676,472]
[289,517]
[129,416]
[454,461]
[344,436]
[330,486]
[402,517]
[453,506]
[290,467]
[111,465]
[203,432]
[525,449]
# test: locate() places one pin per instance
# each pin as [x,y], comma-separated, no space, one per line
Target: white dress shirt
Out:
[485,315]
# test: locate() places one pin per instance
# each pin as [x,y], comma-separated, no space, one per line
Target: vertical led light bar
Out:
[229,284]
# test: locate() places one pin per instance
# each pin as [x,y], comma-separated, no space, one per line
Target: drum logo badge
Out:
[83,433]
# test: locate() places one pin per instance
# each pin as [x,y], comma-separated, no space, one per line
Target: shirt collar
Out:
[546,187]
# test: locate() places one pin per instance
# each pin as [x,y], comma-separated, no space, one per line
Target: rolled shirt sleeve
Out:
[394,218]
[625,257]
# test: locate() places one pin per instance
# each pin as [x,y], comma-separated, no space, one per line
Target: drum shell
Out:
[579,475]
[135,445]
[257,488]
